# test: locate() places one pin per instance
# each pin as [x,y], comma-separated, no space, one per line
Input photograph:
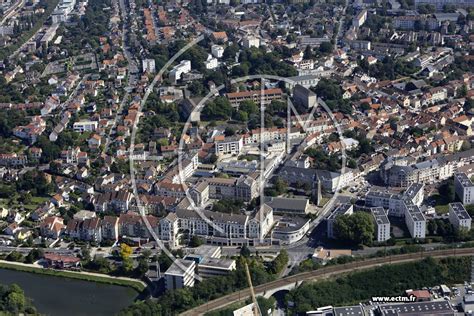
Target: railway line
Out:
[324,273]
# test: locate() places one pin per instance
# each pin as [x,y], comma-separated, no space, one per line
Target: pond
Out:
[62,296]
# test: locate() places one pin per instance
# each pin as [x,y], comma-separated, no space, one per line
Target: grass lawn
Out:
[441,206]
[32,205]
[442,209]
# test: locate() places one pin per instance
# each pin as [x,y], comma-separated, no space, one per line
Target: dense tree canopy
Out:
[357,228]
[14,302]
[385,281]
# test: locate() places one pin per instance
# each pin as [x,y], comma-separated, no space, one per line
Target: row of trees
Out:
[174,302]
[383,281]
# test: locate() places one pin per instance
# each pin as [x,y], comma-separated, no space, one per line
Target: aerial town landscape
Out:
[236,157]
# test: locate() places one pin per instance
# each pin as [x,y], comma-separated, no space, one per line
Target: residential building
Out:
[382,224]
[394,202]
[464,188]
[439,4]
[304,97]
[52,227]
[110,227]
[85,126]
[415,221]
[265,96]
[217,51]
[360,19]
[458,216]
[183,67]
[132,225]
[261,223]
[232,228]
[148,65]
[169,230]
[251,41]
[13,159]
[231,145]
[88,229]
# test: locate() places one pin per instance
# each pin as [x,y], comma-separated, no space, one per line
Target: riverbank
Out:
[137,285]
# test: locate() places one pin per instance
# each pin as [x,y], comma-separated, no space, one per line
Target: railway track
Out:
[324,273]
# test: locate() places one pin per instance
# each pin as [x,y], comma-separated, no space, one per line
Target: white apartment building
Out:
[415,221]
[387,200]
[382,224]
[464,188]
[183,67]
[360,19]
[229,145]
[259,226]
[211,62]
[169,230]
[395,202]
[230,225]
[148,65]
[180,274]
[251,41]
[217,51]
[85,126]
[458,216]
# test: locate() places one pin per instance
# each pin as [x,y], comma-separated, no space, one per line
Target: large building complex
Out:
[265,96]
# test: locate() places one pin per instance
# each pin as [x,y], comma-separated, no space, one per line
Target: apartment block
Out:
[304,97]
[458,216]
[464,188]
[415,221]
[382,224]
[228,145]
[85,126]
[258,96]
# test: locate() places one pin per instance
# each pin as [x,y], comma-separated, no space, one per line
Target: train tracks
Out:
[324,273]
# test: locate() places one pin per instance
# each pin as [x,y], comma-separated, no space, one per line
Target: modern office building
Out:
[180,274]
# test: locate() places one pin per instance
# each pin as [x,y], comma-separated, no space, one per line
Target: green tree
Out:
[125,251]
[245,251]
[357,228]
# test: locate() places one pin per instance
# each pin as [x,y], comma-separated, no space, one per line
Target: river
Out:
[62,296]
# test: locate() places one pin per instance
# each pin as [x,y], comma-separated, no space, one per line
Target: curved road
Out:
[324,273]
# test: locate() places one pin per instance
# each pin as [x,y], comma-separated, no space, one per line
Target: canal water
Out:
[62,296]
